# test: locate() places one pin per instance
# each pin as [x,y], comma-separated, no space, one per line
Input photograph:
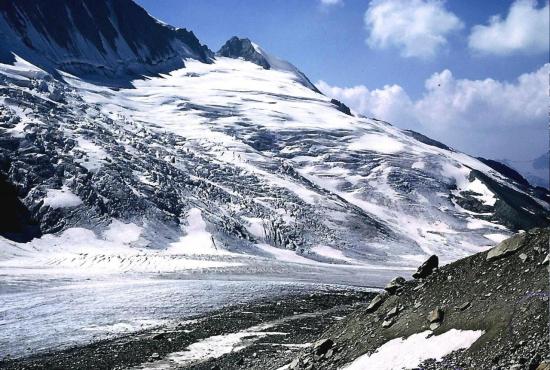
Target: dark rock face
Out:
[507,210]
[427,267]
[242,48]
[16,222]
[341,107]
[322,346]
[105,37]
[505,170]
[426,140]
[514,209]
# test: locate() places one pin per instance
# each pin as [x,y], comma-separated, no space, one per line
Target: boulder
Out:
[376,302]
[463,306]
[392,313]
[395,284]
[544,365]
[427,267]
[294,364]
[435,315]
[523,257]
[387,323]
[322,346]
[507,247]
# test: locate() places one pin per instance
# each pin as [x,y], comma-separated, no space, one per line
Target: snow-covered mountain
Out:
[219,161]
[103,39]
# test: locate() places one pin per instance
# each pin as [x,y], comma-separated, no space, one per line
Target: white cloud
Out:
[525,30]
[390,103]
[419,28]
[483,117]
[331,2]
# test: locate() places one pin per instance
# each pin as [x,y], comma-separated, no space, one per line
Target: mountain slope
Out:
[502,298]
[230,159]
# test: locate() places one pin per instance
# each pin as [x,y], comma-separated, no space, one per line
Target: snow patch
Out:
[497,238]
[121,233]
[197,240]
[255,226]
[328,252]
[418,165]
[61,198]
[407,353]
[377,143]
[94,154]
[285,255]
[485,195]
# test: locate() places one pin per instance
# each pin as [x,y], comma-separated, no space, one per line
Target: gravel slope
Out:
[506,297]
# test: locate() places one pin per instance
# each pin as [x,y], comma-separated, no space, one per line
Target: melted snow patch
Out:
[219,345]
[377,143]
[61,198]
[407,353]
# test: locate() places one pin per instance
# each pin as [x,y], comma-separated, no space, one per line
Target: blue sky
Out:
[328,42]
[379,56]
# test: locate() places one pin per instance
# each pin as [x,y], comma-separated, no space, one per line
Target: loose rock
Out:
[392,313]
[523,257]
[435,315]
[395,284]
[322,346]
[427,267]
[377,301]
[507,247]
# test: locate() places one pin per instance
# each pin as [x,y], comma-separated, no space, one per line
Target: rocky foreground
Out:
[503,292]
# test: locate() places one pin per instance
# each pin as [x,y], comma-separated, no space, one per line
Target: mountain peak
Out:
[244,48]
[103,37]
[237,47]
